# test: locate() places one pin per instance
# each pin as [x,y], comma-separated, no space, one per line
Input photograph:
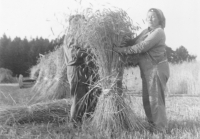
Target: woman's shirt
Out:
[151,42]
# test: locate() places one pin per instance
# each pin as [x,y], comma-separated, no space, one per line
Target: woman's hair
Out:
[160,16]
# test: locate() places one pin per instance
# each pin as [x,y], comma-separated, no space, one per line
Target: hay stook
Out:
[52,81]
[104,30]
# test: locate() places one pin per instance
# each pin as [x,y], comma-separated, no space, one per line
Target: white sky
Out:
[32,18]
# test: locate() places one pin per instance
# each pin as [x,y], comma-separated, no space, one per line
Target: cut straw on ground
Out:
[49,112]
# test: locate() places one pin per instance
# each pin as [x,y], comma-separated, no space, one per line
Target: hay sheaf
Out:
[105,30]
[52,81]
[113,114]
[6,76]
[55,111]
[102,31]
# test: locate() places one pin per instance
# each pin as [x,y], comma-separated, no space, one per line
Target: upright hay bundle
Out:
[104,30]
[52,81]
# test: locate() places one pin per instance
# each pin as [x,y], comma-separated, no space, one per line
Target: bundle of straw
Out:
[6,76]
[104,30]
[52,81]
[54,111]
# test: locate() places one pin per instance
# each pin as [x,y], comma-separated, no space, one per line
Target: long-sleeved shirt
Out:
[151,42]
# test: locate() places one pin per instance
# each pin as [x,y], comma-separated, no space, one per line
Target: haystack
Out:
[6,76]
[105,30]
[102,31]
[52,81]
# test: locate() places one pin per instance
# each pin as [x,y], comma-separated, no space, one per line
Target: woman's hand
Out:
[120,49]
[128,50]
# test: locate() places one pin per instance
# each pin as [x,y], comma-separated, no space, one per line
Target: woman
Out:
[150,45]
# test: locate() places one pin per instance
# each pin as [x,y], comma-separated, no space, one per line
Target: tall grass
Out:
[184,79]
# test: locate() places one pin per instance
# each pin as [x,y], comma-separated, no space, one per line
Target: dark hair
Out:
[160,16]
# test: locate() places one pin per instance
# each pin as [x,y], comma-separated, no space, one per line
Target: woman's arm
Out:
[131,42]
[152,39]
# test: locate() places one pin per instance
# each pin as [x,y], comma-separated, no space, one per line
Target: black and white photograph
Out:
[99,69]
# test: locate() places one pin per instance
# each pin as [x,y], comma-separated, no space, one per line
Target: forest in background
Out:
[19,55]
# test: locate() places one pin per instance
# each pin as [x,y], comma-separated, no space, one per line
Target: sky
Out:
[45,18]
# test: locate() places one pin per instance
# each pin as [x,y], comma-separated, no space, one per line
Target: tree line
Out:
[19,55]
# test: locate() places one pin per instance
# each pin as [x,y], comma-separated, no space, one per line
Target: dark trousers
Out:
[154,84]
[84,100]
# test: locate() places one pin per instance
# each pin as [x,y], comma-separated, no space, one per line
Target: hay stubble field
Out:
[182,103]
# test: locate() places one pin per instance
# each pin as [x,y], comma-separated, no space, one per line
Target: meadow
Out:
[182,104]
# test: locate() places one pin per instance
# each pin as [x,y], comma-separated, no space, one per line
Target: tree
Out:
[179,55]
[171,55]
[4,42]
[183,55]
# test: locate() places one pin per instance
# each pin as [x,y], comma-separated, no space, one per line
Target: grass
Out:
[182,110]
[11,94]
[183,115]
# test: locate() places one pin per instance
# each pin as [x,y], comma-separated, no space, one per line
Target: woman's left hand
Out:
[119,49]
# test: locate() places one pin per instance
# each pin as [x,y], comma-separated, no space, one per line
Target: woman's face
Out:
[152,19]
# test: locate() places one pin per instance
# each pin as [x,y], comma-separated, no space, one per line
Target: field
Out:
[182,103]
[184,79]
